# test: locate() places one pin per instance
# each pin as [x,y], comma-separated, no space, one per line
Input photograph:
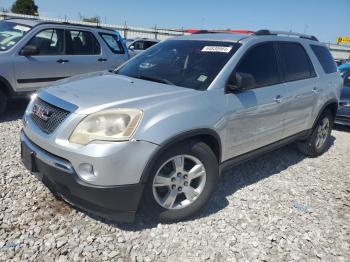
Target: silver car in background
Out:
[34,53]
[156,132]
[138,45]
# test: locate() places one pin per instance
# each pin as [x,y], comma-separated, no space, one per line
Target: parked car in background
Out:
[156,132]
[343,67]
[138,45]
[343,114]
[34,53]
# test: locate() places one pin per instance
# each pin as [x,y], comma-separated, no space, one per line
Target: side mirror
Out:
[29,50]
[131,47]
[240,82]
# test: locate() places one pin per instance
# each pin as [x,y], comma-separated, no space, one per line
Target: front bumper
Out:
[343,116]
[116,203]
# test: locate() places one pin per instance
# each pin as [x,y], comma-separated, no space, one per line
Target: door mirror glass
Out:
[240,82]
[131,47]
[29,50]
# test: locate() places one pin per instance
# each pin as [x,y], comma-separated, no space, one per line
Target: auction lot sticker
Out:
[22,28]
[220,49]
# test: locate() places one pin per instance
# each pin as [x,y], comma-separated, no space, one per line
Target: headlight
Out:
[107,125]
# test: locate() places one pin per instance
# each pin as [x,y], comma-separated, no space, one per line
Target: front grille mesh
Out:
[57,116]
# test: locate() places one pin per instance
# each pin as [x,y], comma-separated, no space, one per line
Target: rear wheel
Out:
[181,182]
[3,102]
[319,139]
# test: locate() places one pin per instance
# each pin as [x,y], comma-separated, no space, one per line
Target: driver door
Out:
[48,65]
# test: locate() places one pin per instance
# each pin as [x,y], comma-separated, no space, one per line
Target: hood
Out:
[345,93]
[96,91]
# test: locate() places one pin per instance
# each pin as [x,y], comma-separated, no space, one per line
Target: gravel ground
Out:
[282,206]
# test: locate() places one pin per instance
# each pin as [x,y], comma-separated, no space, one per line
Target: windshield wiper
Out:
[154,79]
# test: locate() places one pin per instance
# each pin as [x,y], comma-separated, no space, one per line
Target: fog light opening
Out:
[86,172]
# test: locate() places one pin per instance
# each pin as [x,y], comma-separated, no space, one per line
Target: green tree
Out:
[25,7]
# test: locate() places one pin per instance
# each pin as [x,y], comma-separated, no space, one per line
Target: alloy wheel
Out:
[179,182]
[322,133]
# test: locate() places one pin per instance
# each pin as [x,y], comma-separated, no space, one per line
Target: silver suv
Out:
[138,45]
[34,53]
[157,131]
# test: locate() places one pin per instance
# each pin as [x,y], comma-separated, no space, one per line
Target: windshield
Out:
[186,63]
[11,33]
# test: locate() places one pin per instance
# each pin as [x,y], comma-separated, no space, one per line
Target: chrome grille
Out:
[46,116]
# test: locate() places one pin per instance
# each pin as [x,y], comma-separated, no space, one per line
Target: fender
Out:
[329,102]
[6,87]
[196,133]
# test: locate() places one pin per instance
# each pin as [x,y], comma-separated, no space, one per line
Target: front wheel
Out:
[3,102]
[319,139]
[181,182]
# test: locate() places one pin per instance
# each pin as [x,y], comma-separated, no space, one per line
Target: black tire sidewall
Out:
[312,141]
[3,102]
[207,157]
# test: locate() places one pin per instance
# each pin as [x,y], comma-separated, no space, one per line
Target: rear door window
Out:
[81,43]
[325,58]
[261,63]
[296,62]
[113,43]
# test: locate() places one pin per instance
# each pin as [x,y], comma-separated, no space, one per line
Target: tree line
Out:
[28,7]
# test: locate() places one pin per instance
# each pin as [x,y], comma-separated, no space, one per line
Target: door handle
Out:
[279,99]
[62,61]
[102,59]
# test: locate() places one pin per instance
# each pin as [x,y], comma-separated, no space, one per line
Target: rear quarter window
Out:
[325,58]
[113,43]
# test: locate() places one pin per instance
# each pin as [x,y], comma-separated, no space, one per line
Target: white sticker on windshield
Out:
[22,28]
[202,78]
[220,49]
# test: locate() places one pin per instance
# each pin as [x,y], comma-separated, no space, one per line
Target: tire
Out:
[312,146]
[195,154]
[3,102]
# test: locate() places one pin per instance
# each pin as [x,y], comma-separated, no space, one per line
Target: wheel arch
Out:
[5,86]
[331,105]
[205,135]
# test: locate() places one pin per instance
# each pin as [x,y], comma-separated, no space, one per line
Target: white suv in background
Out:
[34,53]
[139,45]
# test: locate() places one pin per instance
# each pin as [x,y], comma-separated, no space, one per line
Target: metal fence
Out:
[125,30]
[338,51]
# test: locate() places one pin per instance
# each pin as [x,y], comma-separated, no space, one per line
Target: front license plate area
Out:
[28,158]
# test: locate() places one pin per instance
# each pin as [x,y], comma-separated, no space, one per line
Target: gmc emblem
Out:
[42,113]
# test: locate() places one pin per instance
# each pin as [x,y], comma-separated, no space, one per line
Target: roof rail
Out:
[268,32]
[43,22]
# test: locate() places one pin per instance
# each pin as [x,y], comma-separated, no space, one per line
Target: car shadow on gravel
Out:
[15,110]
[233,180]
